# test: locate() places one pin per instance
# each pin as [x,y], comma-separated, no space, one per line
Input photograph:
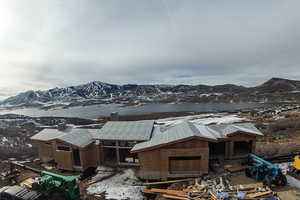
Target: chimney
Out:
[114,116]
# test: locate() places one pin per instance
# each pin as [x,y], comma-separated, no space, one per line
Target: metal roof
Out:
[49,134]
[80,137]
[226,129]
[126,130]
[188,129]
[178,132]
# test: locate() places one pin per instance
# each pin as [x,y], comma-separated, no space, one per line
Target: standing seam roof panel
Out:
[188,129]
[126,130]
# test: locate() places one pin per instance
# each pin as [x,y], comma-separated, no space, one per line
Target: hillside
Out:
[103,93]
[279,85]
[273,90]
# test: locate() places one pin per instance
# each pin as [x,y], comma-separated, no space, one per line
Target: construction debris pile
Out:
[203,189]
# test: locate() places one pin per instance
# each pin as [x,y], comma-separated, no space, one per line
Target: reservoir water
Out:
[94,111]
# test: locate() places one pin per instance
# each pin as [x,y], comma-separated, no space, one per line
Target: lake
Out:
[94,111]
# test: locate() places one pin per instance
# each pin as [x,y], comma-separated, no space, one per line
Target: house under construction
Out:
[183,150]
[77,149]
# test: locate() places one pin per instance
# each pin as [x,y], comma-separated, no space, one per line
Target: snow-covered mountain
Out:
[273,90]
[99,92]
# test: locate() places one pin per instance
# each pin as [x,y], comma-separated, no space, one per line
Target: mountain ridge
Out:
[97,92]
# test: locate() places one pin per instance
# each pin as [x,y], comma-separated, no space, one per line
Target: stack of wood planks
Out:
[197,191]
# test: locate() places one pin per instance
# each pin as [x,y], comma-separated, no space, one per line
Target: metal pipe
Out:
[25,167]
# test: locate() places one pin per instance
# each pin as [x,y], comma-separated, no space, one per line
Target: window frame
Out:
[63,150]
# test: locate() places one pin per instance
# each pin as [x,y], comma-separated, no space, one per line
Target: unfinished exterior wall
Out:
[88,156]
[65,159]
[45,150]
[184,156]
[150,164]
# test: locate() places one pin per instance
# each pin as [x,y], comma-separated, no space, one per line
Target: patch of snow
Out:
[102,172]
[4,139]
[293,182]
[220,120]
[121,186]
[48,167]
[24,161]
[205,119]
[211,94]
[102,168]
[29,145]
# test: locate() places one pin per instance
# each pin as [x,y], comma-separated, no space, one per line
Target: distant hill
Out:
[279,85]
[96,92]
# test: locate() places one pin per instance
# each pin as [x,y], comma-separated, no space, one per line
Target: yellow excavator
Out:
[295,169]
[296,164]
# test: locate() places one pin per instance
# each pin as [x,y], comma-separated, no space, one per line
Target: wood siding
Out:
[155,164]
[45,151]
[65,160]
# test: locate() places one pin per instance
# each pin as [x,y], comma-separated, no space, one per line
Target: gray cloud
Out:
[57,43]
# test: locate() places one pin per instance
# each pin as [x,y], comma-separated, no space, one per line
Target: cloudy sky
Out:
[58,43]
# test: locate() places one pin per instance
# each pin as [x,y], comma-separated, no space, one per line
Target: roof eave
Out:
[75,144]
[243,133]
[174,142]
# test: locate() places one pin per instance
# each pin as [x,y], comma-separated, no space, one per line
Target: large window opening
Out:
[110,156]
[242,148]
[128,158]
[118,153]
[63,148]
[184,165]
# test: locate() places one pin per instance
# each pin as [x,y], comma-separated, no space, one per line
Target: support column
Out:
[97,154]
[231,149]
[227,146]
[118,152]
[253,146]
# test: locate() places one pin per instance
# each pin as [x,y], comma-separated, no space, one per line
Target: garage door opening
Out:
[184,165]
[242,148]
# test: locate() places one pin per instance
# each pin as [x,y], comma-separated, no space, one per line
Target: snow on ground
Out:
[218,118]
[29,145]
[293,182]
[121,186]
[103,172]
[48,167]
[4,139]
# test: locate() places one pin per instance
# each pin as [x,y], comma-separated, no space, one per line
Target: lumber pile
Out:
[210,190]
[236,169]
